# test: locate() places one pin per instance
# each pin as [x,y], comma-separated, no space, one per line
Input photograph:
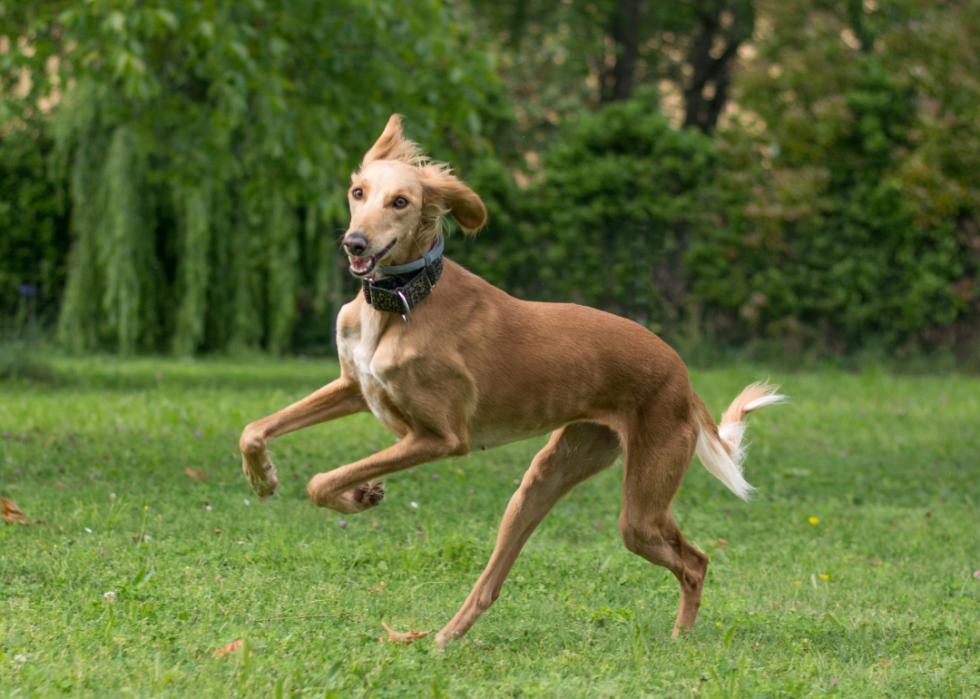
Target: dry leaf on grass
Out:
[200,475]
[226,651]
[11,513]
[399,637]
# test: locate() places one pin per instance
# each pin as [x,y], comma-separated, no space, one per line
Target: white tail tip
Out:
[722,452]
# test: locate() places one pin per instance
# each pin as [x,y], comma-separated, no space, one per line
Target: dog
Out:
[451,364]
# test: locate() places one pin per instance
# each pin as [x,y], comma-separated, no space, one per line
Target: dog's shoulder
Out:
[349,317]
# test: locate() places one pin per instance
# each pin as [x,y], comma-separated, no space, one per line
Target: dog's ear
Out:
[392,145]
[444,190]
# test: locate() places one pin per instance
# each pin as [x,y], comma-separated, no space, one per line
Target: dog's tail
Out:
[720,447]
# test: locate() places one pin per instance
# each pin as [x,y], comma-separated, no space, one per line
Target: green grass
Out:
[877,599]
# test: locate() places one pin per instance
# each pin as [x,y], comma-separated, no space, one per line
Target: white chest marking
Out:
[372,325]
[358,349]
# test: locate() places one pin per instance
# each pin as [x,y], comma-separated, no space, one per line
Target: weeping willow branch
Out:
[78,323]
[283,258]
[127,255]
[194,205]
[192,155]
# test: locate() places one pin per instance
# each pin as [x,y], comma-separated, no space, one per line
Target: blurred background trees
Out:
[796,177]
[202,151]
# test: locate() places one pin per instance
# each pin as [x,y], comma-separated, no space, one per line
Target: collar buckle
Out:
[407,315]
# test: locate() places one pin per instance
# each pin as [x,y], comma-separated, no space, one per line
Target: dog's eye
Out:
[357,193]
[401,202]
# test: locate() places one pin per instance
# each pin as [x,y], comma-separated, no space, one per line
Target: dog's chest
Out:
[358,347]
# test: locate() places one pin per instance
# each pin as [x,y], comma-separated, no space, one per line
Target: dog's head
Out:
[397,201]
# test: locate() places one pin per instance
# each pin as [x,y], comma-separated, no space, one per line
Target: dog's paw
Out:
[263,485]
[369,494]
[445,636]
[361,498]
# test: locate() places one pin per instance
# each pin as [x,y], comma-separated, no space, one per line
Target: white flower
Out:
[414,504]
[207,507]
[88,530]
[247,502]
[19,661]
[110,595]
[112,496]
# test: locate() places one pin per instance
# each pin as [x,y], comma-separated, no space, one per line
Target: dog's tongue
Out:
[360,264]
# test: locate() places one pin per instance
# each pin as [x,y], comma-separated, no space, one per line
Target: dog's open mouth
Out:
[359,266]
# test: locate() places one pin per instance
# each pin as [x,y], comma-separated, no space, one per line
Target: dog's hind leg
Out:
[654,465]
[573,453]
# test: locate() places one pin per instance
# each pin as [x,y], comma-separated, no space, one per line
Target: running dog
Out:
[451,364]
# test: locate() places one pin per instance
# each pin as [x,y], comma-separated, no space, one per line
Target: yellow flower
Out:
[719,623]
[825,577]
[796,582]
[814,520]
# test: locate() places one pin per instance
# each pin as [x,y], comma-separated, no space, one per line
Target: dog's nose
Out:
[355,243]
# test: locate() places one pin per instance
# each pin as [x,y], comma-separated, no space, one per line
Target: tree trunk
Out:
[702,111]
[617,81]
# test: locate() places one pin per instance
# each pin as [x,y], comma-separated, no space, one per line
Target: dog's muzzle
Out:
[361,264]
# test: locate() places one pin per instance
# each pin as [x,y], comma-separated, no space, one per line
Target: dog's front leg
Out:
[350,489]
[337,399]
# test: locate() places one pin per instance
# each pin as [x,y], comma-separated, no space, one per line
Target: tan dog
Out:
[476,369]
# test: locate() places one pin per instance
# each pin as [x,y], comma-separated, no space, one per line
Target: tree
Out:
[722,27]
[862,188]
[209,145]
[562,57]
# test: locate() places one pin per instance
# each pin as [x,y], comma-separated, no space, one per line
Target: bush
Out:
[829,240]
[34,225]
[819,252]
[607,219]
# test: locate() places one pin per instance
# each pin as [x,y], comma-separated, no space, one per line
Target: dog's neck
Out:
[402,287]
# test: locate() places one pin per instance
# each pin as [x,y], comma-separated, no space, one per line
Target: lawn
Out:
[850,575]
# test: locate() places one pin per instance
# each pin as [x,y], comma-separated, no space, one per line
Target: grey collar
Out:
[425,261]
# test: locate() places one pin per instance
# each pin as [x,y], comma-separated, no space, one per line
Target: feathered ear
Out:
[446,192]
[392,145]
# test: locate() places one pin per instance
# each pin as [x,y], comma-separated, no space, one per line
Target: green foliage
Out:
[607,218]
[559,59]
[205,147]
[199,135]
[33,229]
[854,219]
[837,210]
[886,465]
